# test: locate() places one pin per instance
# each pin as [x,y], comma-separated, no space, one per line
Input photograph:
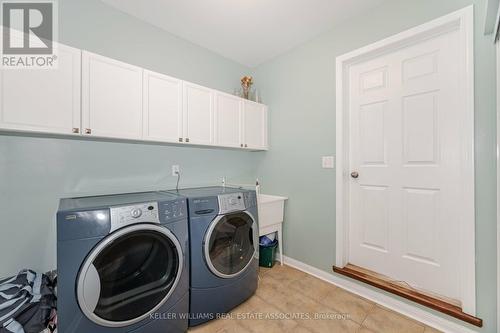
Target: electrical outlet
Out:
[175,170]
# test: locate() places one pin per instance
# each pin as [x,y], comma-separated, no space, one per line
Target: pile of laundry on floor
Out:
[28,303]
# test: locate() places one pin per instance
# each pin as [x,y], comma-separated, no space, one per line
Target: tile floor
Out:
[289,300]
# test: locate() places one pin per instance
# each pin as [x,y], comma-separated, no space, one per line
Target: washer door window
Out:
[230,244]
[129,275]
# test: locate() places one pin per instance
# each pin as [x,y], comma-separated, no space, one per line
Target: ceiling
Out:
[249,32]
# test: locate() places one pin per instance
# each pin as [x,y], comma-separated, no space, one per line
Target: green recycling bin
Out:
[267,254]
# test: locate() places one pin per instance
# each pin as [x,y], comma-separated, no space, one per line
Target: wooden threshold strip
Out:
[410,294]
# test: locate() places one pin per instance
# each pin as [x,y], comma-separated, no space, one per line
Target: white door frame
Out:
[496,32]
[462,21]
[498,179]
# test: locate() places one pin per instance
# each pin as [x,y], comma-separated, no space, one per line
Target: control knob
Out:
[136,212]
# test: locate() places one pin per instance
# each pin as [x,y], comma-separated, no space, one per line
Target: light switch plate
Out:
[328,162]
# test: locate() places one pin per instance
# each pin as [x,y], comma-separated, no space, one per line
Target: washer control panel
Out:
[172,210]
[139,213]
[231,202]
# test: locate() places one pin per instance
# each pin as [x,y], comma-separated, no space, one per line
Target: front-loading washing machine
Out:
[123,264]
[223,229]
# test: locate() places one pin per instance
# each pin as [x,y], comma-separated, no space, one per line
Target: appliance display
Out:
[224,245]
[123,263]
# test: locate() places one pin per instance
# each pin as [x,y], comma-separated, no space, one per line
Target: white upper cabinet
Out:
[111,98]
[198,114]
[162,116]
[254,125]
[43,100]
[91,95]
[228,120]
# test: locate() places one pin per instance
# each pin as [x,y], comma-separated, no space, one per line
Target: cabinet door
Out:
[162,110]
[43,100]
[228,120]
[111,98]
[198,114]
[255,125]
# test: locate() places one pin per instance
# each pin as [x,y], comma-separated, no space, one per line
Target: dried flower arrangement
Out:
[246,83]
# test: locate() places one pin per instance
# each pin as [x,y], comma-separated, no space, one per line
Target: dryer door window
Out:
[230,244]
[129,275]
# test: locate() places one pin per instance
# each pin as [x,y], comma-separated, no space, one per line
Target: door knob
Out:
[354,174]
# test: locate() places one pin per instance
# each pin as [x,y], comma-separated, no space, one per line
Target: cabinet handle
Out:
[88,131]
[187,139]
[180,139]
[246,145]
[76,130]
[241,145]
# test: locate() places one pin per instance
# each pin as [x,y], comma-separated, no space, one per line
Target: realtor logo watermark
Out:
[28,33]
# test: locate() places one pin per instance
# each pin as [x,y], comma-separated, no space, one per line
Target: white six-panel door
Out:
[162,117]
[111,98]
[405,144]
[43,100]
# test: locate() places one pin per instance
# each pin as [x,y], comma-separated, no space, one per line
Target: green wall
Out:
[299,87]
[97,27]
[35,171]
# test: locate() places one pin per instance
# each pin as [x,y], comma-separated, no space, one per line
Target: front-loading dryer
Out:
[123,264]
[224,245]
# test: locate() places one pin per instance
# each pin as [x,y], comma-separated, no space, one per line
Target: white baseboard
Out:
[389,302]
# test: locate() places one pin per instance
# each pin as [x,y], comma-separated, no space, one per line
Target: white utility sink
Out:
[271,211]
[264,198]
